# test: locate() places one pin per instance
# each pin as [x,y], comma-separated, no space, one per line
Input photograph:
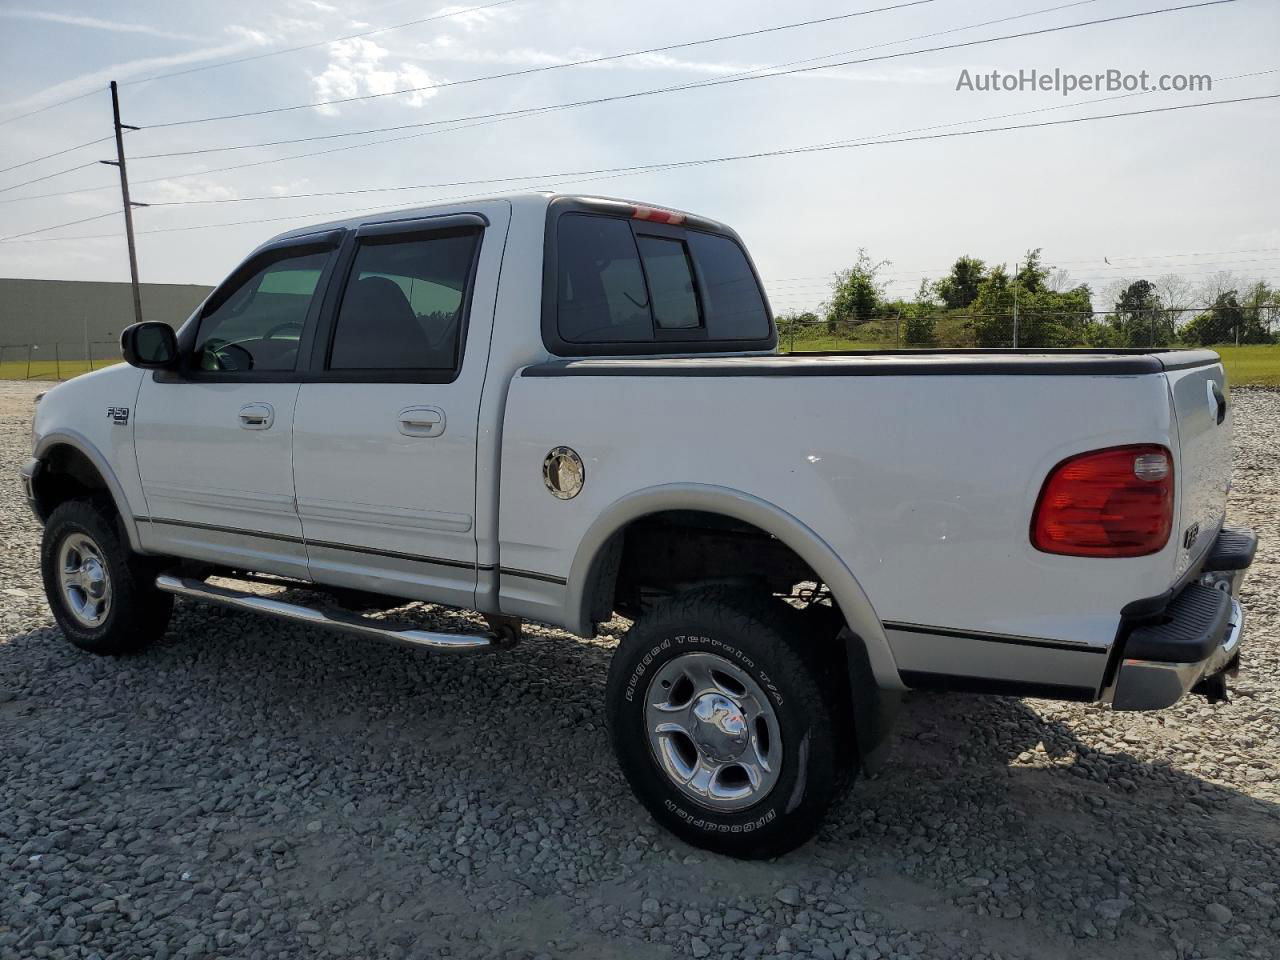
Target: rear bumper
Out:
[1196,641]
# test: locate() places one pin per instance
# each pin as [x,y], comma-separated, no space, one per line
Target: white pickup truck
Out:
[554,407]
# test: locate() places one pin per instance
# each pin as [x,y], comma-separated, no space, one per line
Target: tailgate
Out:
[1202,408]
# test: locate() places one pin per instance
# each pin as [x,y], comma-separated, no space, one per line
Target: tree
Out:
[1219,324]
[918,325]
[1059,280]
[1139,316]
[1032,274]
[959,288]
[1261,310]
[1047,318]
[1177,294]
[856,292]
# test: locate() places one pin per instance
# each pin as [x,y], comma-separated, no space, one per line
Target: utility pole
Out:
[124,195]
[1016,268]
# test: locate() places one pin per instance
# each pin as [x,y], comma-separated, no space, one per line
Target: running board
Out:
[333,619]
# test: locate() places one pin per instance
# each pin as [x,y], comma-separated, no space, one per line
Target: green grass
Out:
[1251,366]
[1255,366]
[48,369]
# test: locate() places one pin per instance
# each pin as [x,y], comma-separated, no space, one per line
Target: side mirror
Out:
[150,345]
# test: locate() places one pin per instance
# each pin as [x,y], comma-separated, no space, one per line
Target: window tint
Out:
[601,291]
[402,308]
[735,309]
[258,325]
[619,282]
[666,266]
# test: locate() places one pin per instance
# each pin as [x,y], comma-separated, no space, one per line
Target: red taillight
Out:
[1116,502]
[656,215]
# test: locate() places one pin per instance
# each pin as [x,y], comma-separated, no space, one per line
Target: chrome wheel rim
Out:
[713,731]
[83,578]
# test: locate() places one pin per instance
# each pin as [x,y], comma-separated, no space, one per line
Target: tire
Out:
[750,808]
[112,607]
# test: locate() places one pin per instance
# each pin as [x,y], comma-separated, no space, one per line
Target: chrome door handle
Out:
[257,416]
[422,421]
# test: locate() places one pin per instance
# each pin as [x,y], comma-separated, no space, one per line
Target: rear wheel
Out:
[102,595]
[721,724]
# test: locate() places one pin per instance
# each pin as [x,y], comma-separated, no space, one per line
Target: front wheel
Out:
[102,595]
[722,724]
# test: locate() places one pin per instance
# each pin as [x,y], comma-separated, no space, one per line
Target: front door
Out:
[385,433]
[214,439]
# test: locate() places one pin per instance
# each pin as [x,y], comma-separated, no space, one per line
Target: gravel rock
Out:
[257,790]
[1218,913]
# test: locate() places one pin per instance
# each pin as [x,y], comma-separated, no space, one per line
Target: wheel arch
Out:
[63,449]
[592,561]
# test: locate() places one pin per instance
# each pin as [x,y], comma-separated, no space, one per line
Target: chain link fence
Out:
[56,361]
[1190,326]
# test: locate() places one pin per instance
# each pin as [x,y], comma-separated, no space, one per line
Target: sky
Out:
[1193,191]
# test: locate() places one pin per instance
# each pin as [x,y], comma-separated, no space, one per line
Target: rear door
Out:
[384,447]
[214,438]
[1203,410]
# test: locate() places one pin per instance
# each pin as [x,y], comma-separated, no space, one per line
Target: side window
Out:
[670,275]
[258,324]
[601,292]
[735,308]
[403,304]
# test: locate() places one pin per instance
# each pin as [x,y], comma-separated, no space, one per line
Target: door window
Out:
[257,324]
[404,303]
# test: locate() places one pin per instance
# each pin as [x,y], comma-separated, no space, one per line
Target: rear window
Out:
[618,281]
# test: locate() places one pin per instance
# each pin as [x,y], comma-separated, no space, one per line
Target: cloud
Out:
[473,20]
[356,69]
[92,23]
[85,82]
[189,189]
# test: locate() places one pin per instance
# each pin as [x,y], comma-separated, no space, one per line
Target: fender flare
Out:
[864,625]
[83,445]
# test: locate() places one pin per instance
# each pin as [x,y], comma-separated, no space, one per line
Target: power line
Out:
[689,86]
[677,164]
[193,173]
[718,81]
[576,176]
[321,43]
[544,68]
[1151,256]
[58,226]
[49,106]
[56,153]
[47,176]
[485,119]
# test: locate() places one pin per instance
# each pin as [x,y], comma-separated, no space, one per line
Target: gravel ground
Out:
[251,789]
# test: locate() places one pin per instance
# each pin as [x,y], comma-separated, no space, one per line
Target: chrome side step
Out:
[332,619]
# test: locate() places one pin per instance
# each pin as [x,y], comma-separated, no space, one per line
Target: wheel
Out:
[721,726]
[102,595]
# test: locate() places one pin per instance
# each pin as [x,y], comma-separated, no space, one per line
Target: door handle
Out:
[422,421]
[257,416]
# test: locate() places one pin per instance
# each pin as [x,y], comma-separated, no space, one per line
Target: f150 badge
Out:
[118,414]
